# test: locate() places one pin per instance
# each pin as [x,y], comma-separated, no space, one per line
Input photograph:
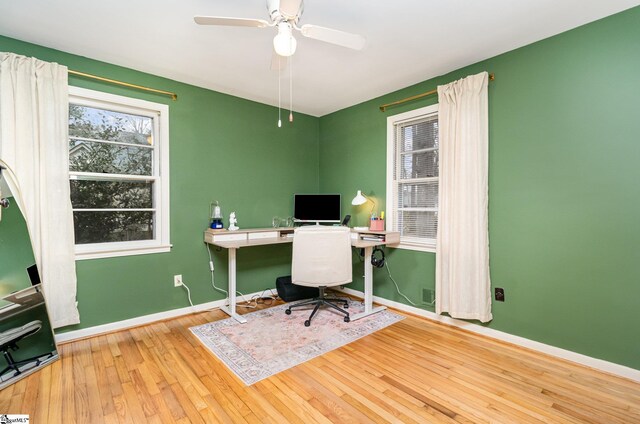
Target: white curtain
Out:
[463,286]
[34,108]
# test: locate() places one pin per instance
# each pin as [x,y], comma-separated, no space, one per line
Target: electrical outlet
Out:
[177,280]
[499,294]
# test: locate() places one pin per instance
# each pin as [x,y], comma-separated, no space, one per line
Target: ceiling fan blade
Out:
[241,22]
[334,36]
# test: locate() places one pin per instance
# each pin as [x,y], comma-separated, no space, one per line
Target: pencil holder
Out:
[376,225]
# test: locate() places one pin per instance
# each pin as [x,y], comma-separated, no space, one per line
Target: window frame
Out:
[160,174]
[409,243]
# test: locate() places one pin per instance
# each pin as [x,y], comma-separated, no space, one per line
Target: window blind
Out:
[415,179]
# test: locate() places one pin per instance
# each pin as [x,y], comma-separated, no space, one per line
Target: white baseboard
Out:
[146,319]
[579,358]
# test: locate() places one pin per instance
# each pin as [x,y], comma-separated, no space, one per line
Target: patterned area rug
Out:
[272,341]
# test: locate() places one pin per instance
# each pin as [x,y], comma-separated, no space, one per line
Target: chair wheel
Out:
[307,323]
[287,311]
[347,319]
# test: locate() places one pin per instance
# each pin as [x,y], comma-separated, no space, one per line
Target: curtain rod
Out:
[174,96]
[384,107]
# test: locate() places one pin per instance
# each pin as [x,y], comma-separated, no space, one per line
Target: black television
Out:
[316,208]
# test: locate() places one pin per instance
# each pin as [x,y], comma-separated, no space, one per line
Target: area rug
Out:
[272,341]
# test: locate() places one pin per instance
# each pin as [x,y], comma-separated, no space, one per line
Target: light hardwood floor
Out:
[415,371]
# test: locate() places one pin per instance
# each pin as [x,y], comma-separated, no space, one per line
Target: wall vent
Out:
[428,296]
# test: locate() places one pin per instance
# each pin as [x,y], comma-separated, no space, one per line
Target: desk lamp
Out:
[361,199]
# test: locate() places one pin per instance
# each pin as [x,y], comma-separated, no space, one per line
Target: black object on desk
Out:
[34,275]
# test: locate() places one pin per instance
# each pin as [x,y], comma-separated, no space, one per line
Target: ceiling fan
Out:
[284,15]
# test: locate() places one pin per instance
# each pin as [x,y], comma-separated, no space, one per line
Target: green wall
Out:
[564,187]
[221,148]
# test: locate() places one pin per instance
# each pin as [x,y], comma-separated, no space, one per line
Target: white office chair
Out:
[321,258]
[9,341]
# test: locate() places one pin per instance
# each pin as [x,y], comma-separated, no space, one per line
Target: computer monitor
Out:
[316,208]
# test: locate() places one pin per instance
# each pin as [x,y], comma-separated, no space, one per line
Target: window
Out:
[119,174]
[412,177]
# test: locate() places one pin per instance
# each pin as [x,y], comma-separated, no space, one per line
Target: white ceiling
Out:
[408,41]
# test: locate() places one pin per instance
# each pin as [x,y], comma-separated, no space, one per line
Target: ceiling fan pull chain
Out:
[279,94]
[290,89]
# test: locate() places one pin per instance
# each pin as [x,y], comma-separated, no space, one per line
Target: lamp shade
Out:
[359,199]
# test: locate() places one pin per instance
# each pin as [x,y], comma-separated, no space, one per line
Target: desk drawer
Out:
[229,237]
[263,235]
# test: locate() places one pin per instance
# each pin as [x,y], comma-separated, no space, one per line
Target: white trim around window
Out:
[409,243]
[160,114]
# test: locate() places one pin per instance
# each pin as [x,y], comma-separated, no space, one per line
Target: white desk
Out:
[234,240]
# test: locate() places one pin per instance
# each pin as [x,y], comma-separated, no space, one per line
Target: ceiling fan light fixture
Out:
[284,43]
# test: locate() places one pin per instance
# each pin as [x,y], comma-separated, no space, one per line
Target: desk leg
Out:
[231,308]
[368,288]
